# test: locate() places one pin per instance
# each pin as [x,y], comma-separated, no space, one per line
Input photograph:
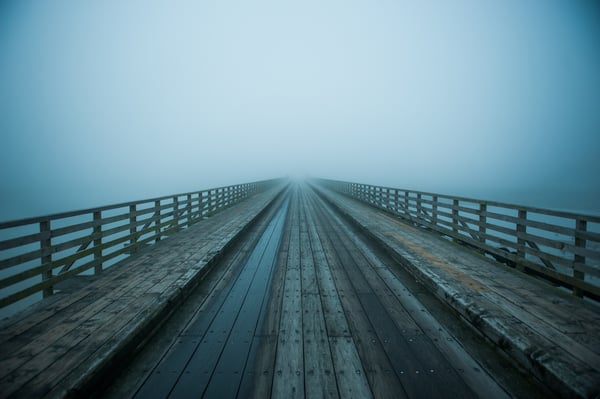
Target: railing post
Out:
[157,220]
[396,205]
[521,230]
[97,242]
[132,228]
[205,201]
[419,208]
[580,226]
[434,210]
[455,216]
[46,258]
[189,210]
[176,211]
[482,222]
[389,200]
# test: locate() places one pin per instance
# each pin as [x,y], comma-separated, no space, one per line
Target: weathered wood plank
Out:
[407,306]
[379,371]
[258,380]
[41,374]
[335,321]
[349,372]
[421,369]
[288,381]
[319,374]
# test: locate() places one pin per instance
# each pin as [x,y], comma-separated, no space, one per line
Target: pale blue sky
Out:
[117,100]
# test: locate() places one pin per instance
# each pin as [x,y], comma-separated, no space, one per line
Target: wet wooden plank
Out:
[216,288]
[421,368]
[231,366]
[413,320]
[258,379]
[349,372]
[288,381]
[335,320]
[319,373]
[379,371]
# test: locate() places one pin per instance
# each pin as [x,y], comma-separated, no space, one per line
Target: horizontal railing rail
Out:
[563,247]
[38,253]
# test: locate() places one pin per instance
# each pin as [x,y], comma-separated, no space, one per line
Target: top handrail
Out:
[544,211]
[67,214]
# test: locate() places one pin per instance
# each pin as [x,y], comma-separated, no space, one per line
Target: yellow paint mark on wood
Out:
[441,263]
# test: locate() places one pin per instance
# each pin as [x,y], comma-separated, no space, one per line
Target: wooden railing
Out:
[38,253]
[563,247]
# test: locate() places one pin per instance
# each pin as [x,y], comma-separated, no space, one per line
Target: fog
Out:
[117,100]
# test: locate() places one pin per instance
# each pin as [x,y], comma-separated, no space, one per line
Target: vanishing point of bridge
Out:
[301,289]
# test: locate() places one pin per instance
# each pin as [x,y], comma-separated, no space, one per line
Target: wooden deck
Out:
[68,344]
[312,294]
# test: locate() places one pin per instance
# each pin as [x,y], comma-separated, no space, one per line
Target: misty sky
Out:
[107,101]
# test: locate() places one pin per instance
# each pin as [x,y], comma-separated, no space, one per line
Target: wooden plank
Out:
[408,306]
[41,373]
[288,381]
[319,373]
[335,321]
[349,372]
[383,381]
[225,340]
[422,370]
[258,378]
[230,368]
[195,377]
[216,288]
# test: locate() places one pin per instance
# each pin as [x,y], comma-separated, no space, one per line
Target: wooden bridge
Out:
[301,289]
